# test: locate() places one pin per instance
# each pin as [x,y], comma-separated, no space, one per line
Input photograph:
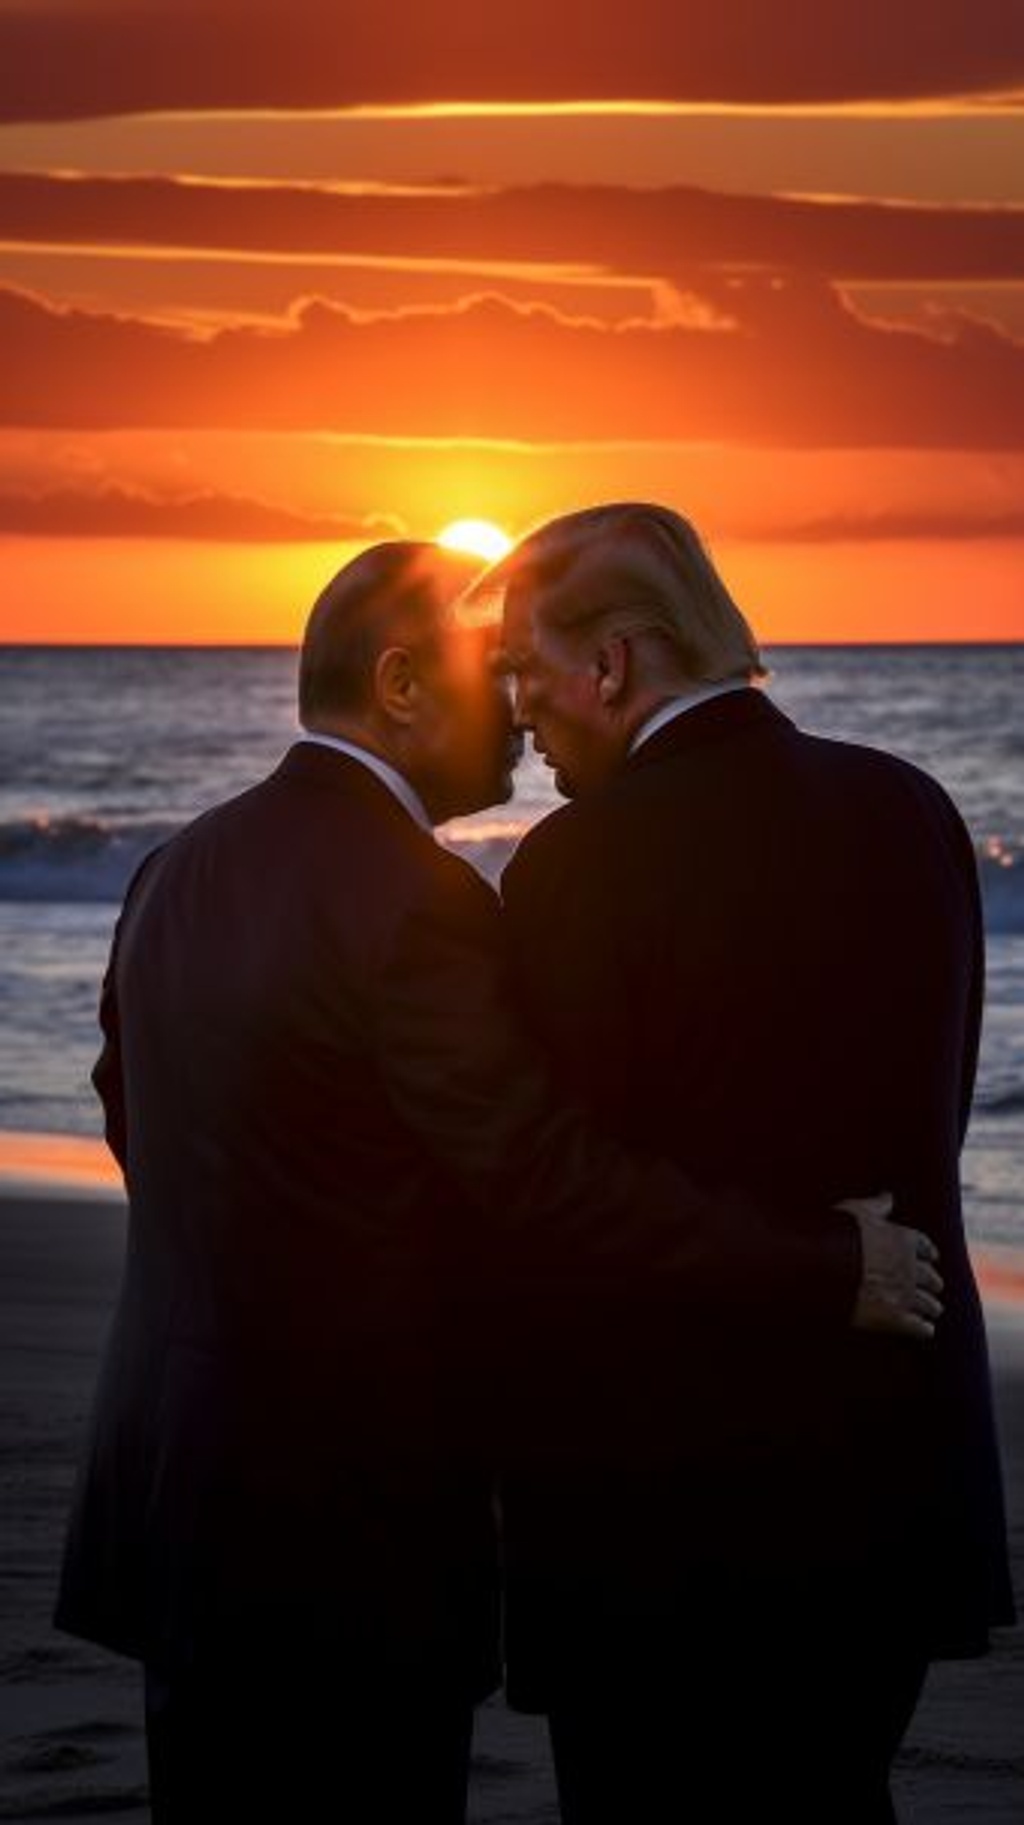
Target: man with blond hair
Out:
[731,1556]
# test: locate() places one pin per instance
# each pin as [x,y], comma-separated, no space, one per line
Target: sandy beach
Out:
[71,1744]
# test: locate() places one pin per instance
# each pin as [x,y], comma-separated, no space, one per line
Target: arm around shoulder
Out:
[462,1073]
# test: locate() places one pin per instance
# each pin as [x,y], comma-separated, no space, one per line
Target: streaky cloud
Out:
[782,361]
[656,233]
[114,56]
[116,511]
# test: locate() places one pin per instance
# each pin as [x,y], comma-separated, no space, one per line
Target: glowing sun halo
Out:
[480,537]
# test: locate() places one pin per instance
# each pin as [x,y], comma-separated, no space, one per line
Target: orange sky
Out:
[331,292]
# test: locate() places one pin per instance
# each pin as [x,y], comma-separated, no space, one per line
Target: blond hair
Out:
[629,568]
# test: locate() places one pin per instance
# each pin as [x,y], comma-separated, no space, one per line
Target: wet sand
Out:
[71,1744]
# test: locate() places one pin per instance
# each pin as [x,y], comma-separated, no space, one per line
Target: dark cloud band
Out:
[788,364]
[114,56]
[663,233]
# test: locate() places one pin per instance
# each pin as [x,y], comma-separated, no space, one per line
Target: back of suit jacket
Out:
[284,1429]
[761,952]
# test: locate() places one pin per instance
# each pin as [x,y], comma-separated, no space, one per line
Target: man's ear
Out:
[611,665]
[396,686]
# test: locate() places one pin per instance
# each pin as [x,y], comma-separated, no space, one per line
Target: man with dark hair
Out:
[442,714]
[341,1157]
[760,954]
[386,595]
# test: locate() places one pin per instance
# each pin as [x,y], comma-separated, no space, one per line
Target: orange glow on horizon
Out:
[168,592]
[156,592]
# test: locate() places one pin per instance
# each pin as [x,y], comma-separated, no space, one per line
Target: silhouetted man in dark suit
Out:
[341,1157]
[759,953]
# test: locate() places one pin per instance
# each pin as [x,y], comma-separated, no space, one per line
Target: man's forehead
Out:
[518,625]
[517,593]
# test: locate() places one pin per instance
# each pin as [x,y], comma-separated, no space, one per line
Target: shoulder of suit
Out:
[385,842]
[555,842]
[900,786]
[895,769]
[581,827]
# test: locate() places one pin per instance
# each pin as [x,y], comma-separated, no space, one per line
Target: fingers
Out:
[924,1246]
[901,1323]
[928,1282]
[927,1306]
[923,1329]
[927,1277]
[901,1291]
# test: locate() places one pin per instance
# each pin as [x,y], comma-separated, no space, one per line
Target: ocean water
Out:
[105,751]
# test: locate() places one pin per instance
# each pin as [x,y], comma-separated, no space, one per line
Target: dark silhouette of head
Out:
[387,663]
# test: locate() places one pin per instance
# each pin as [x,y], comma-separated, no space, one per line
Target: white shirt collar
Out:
[678,706]
[388,775]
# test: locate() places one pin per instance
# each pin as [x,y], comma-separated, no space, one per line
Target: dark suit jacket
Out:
[340,1156]
[761,953]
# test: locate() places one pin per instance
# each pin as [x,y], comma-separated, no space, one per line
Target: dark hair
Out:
[395,591]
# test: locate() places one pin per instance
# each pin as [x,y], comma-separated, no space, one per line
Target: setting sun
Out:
[480,537]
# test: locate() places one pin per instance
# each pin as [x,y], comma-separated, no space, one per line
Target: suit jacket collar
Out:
[396,782]
[720,719]
[311,763]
